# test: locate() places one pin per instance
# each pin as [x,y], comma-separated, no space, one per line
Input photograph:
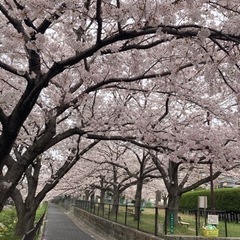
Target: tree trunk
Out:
[115,204]
[92,204]
[102,196]
[173,202]
[26,211]
[102,199]
[87,195]
[138,200]
[26,217]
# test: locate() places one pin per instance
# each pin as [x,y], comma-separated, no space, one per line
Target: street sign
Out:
[212,219]
[171,218]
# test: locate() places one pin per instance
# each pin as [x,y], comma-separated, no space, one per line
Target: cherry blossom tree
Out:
[122,166]
[187,135]
[28,196]
[79,68]
[146,173]
[179,165]
[113,175]
[26,208]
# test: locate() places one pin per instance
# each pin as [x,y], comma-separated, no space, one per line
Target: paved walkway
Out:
[59,226]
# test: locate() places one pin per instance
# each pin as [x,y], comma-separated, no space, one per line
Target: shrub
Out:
[8,218]
[225,199]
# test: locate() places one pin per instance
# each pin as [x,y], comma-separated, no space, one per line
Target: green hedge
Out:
[227,199]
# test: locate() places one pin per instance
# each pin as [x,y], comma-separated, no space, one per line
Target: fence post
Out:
[138,217]
[225,222]
[98,208]
[103,211]
[196,221]
[116,212]
[156,221]
[166,220]
[94,208]
[126,207]
[109,210]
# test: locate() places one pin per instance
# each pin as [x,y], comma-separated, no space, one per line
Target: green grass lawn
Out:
[8,219]
[147,223]
[232,228]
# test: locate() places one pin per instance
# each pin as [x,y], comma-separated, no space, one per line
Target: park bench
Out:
[182,223]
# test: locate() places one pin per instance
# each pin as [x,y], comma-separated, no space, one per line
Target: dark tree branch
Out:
[64,169]
[60,137]
[27,21]
[133,79]
[225,80]
[3,117]
[161,169]
[164,114]
[200,182]
[13,70]
[224,7]
[119,23]
[99,20]
[54,16]
[15,23]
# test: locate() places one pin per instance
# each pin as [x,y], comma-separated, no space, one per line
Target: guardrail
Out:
[34,232]
[156,220]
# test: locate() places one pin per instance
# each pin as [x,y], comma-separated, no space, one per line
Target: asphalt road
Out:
[58,226]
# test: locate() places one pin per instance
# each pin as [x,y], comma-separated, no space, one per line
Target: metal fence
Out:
[155,220]
[32,234]
[143,219]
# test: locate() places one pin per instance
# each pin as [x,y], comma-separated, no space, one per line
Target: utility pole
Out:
[212,198]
